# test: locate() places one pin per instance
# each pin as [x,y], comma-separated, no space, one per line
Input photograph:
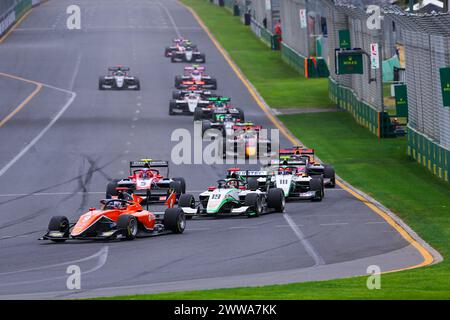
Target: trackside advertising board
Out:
[445,83]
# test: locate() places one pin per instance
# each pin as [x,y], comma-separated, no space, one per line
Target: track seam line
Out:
[397,224]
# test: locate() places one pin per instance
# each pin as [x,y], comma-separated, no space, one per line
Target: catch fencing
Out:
[13,10]
[426,39]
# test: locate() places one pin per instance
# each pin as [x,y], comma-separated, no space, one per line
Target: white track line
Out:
[318,260]
[102,256]
[42,133]
[172,20]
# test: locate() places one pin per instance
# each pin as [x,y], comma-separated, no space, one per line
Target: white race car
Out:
[119,79]
[187,104]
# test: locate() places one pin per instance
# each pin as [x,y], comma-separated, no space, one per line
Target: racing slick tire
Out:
[172,58]
[111,190]
[138,84]
[275,199]
[186,201]
[328,172]
[316,184]
[178,81]
[241,115]
[182,182]
[167,52]
[176,187]
[213,83]
[100,84]
[206,125]
[252,184]
[203,58]
[198,114]
[254,201]
[174,220]
[172,105]
[176,95]
[59,224]
[128,225]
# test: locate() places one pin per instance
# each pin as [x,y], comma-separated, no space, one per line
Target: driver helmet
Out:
[233,183]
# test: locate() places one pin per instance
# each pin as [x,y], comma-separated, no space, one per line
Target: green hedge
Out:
[429,154]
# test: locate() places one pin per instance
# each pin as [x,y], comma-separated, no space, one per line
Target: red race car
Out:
[120,218]
[148,181]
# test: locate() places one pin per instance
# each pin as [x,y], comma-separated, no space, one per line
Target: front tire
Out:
[59,224]
[174,220]
[316,184]
[128,225]
[276,199]
[172,106]
[253,201]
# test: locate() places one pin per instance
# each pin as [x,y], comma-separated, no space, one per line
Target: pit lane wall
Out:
[12,10]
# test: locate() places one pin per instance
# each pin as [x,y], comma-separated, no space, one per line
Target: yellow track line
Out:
[427,256]
[16,24]
[24,102]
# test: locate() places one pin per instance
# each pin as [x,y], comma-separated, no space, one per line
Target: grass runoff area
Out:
[380,168]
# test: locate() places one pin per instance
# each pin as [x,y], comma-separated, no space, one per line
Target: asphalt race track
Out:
[59,151]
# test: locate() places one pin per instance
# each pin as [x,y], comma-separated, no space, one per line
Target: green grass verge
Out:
[378,167]
[279,84]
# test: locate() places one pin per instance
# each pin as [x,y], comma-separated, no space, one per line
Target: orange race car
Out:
[120,218]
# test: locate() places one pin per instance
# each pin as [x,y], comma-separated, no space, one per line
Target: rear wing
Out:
[297,151]
[293,163]
[246,127]
[219,99]
[149,164]
[248,173]
[189,69]
[119,68]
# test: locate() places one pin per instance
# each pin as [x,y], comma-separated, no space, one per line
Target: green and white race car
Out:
[291,177]
[232,197]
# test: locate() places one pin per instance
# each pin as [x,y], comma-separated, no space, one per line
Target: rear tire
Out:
[252,200]
[202,55]
[275,199]
[176,187]
[174,220]
[252,184]
[178,81]
[206,125]
[241,115]
[111,189]
[198,114]
[176,95]
[182,183]
[59,224]
[214,84]
[329,173]
[128,224]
